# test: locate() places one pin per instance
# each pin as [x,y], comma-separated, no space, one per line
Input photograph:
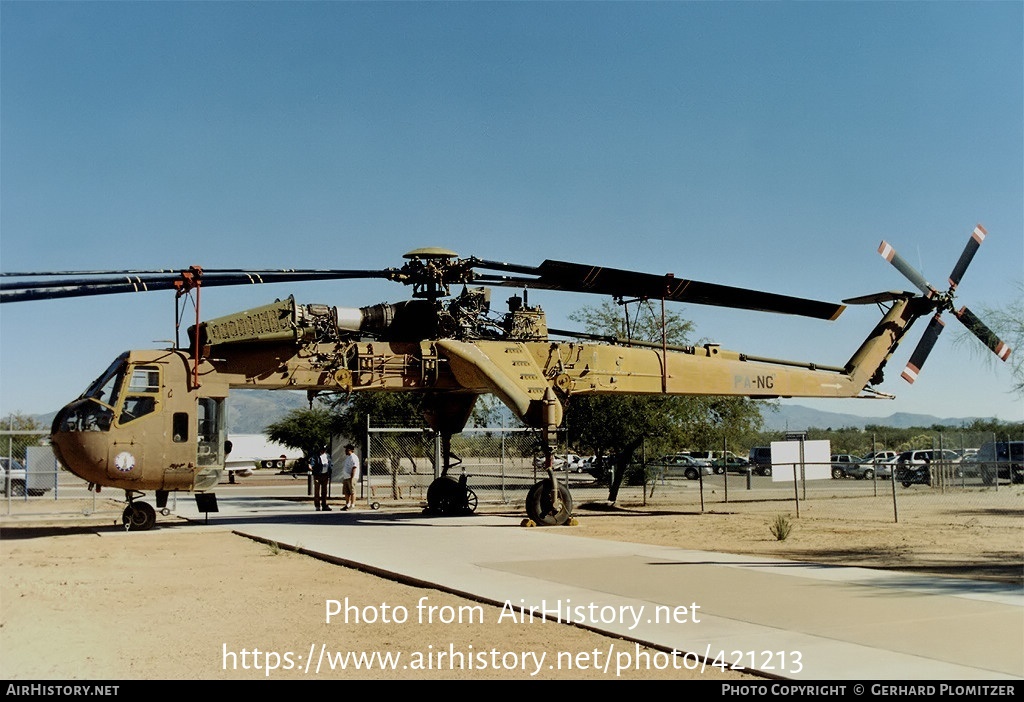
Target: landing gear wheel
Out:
[447,496]
[139,516]
[540,505]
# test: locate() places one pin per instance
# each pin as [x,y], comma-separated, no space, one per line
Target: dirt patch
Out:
[83,599]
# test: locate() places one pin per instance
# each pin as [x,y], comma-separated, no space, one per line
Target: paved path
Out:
[792,620]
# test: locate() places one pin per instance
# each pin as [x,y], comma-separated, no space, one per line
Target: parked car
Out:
[874,464]
[573,463]
[1001,459]
[915,467]
[681,464]
[842,462]
[557,463]
[879,457]
[731,464]
[761,459]
[600,467]
[886,469]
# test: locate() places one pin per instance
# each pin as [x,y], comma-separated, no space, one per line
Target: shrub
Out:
[780,527]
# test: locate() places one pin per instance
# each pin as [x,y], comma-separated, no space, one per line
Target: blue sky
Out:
[762,145]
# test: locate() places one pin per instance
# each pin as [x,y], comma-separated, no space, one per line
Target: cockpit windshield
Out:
[94,409]
[106,386]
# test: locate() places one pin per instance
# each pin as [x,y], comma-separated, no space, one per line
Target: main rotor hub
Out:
[432,270]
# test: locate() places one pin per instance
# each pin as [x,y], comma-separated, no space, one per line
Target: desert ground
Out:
[82,599]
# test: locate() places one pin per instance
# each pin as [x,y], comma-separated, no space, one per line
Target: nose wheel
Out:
[139,516]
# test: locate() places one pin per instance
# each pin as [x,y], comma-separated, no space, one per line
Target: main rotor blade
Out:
[577,277]
[987,336]
[924,347]
[977,236]
[82,287]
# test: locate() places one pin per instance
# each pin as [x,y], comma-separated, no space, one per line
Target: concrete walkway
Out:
[790,620]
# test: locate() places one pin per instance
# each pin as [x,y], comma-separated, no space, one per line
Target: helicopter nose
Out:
[81,452]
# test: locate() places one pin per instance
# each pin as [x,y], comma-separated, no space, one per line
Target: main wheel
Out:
[139,516]
[541,508]
[446,496]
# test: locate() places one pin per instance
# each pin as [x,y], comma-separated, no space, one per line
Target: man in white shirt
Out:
[349,476]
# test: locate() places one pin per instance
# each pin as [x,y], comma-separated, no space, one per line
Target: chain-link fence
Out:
[501,464]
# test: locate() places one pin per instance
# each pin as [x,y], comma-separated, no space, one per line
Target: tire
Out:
[445,497]
[869,474]
[691,474]
[18,488]
[766,471]
[139,516]
[539,505]
[907,483]
[837,473]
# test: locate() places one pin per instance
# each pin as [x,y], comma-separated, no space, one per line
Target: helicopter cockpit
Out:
[134,423]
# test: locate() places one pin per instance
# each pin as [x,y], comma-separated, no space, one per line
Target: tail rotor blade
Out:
[924,347]
[889,254]
[977,236]
[987,336]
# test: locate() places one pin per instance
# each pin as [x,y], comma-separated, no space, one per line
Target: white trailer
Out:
[249,451]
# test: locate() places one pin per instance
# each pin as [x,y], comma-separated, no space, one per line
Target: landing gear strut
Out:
[549,503]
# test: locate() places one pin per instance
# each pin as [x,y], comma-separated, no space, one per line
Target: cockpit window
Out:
[145,379]
[142,393]
[136,406]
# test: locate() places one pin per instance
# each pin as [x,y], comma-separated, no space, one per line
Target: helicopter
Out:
[155,419]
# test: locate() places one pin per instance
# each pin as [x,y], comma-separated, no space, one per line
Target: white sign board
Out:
[816,465]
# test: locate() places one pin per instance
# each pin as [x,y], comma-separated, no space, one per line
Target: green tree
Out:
[307,430]
[16,444]
[621,424]
[396,409]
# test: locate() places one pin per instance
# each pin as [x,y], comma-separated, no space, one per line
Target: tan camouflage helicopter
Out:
[155,419]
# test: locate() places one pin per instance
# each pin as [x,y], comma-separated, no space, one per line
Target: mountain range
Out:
[798,417]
